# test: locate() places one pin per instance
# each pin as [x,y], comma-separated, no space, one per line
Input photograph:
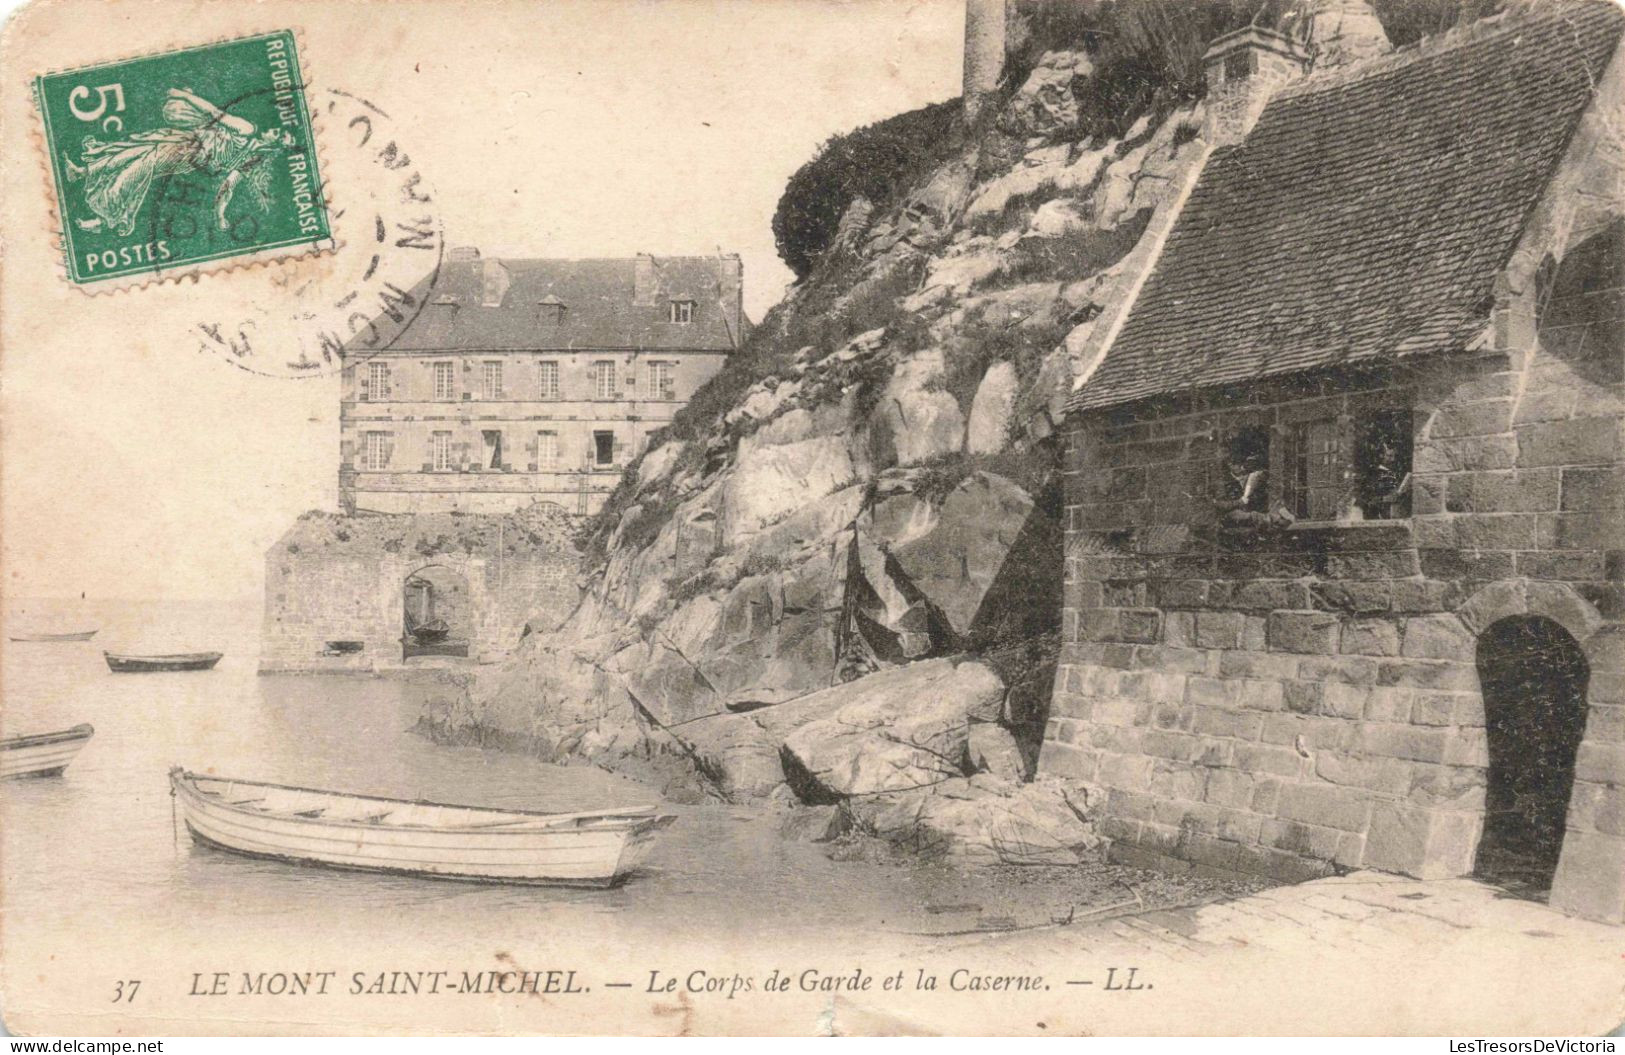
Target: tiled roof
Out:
[600,307]
[1366,215]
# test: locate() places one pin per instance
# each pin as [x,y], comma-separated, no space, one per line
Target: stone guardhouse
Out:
[1344,549]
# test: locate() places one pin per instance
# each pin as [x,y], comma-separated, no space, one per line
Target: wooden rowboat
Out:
[77,635]
[306,826]
[43,754]
[147,664]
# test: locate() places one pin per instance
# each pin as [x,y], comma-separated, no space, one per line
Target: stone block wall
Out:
[316,594]
[1302,700]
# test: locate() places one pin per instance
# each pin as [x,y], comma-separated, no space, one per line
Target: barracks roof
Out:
[495,304]
[1365,217]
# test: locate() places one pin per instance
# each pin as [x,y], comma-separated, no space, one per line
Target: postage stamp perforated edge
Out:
[249,259]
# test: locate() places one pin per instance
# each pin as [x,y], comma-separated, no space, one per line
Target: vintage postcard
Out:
[812,517]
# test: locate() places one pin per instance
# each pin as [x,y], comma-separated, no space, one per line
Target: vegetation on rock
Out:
[872,162]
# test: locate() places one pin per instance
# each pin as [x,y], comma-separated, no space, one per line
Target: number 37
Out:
[125,993]
[105,93]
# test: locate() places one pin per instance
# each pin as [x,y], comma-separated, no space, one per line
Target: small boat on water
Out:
[431,632]
[120,664]
[76,635]
[474,843]
[42,754]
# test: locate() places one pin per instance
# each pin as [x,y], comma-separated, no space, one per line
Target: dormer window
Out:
[681,312]
[550,311]
[1239,64]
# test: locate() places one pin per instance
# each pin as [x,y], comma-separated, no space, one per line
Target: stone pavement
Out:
[1359,954]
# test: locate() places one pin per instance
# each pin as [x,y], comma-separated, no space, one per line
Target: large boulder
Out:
[957,559]
[815,824]
[993,749]
[987,820]
[988,430]
[771,481]
[917,418]
[1045,104]
[898,729]
[1058,217]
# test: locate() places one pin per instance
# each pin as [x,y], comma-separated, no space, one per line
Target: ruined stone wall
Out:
[1301,700]
[342,579]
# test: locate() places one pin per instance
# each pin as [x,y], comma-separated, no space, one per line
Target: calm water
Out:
[98,848]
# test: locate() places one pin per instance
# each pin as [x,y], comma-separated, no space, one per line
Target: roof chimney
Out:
[643,280]
[462,254]
[494,282]
[1244,68]
[1343,31]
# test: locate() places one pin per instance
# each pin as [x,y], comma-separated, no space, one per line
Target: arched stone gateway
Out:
[1534,679]
[436,613]
[1552,673]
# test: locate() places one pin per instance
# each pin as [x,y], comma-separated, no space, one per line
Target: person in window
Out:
[1243,492]
[1387,483]
[1244,486]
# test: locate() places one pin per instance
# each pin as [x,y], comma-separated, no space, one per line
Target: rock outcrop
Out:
[899,730]
[829,586]
[986,820]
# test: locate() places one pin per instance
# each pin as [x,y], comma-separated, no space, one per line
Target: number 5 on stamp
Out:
[183,161]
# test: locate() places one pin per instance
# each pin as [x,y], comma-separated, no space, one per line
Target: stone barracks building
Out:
[1344,558]
[526,380]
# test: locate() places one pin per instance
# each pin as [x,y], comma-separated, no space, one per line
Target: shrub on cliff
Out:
[1147,54]
[874,162]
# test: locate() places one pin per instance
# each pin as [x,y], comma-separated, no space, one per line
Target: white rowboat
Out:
[306,826]
[43,754]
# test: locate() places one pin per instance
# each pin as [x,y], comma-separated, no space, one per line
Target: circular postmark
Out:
[310,315]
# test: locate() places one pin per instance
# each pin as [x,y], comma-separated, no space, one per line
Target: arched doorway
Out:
[1534,677]
[436,616]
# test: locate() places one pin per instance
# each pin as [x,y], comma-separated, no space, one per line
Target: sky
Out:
[132,464]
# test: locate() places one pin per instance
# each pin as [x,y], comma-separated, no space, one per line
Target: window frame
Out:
[489,369]
[547,460]
[1344,473]
[604,386]
[547,378]
[680,312]
[449,394]
[369,463]
[377,382]
[667,369]
[495,461]
[597,436]
[437,440]
[1316,470]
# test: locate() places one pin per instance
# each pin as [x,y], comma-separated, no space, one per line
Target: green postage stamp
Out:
[183,161]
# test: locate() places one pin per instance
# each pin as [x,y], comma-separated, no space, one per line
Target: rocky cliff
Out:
[837,577]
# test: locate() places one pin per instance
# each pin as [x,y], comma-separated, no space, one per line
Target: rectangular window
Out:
[1382,465]
[375,454]
[662,380]
[547,450]
[603,448]
[549,380]
[377,387]
[1315,487]
[682,312]
[603,373]
[493,448]
[493,379]
[440,451]
[445,380]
